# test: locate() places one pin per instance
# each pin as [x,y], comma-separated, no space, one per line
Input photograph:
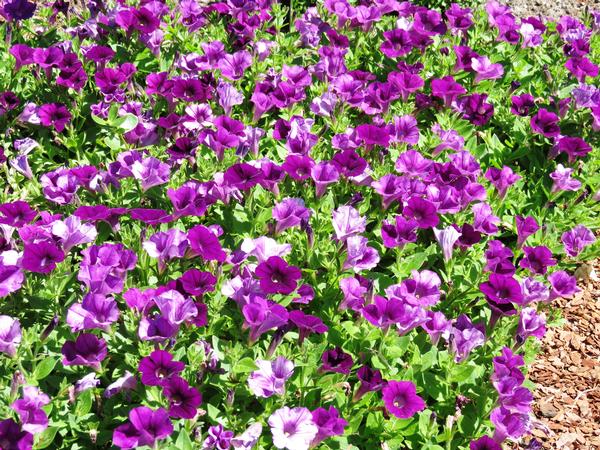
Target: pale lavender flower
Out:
[347,222]
[150,172]
[88,382]
[531,324]
[292,428]
[95,311]
[262,248]
[446,238]
[270,377]
[73,232]
[485,69]
[10,335]
[464,337]
[563,181]
[11,278]
[229,96]
[29,409]
[166,245]
[176,308]
[125,383]
[248,439]
[290,212]
[359,255]
[534,291]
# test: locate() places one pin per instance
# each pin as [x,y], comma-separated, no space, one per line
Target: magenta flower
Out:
[54,115]
[502,179]
[13,436]
[205,244]
[485,69]
[359,255]
[336,360]
[383,312]
[576,239]
[370,381]
[401,399]
[184,399]
[574,147]
[277,277]
[218,438]
[484,220]
[151,172]
[10,335]
[509,424]
[522,104]
[537,259]
[292,429]
[16,214]
[545,123]
[423,212]
[307,324]
[159,367]
[145,427]
[526,226]
[484,443]
[447,89]
[501,289]
[324,174]
[242,176]
[232,66]
[398,234]
[270,377]
[166,245]
[329,423]
[86,350]
[261,315]
[41,257]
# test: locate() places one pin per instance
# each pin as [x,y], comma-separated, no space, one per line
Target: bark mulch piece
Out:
[567,374]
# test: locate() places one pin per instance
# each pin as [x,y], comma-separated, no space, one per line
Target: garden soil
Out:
[552,8]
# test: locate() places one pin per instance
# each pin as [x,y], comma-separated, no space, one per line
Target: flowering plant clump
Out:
[240,225]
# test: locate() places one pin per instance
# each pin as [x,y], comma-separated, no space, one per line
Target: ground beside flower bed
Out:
[554,9]
[567,373]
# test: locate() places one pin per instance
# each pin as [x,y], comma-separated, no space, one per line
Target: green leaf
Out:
[84,403]
[183,441]
[44,368]
[245,365]
[46,438]
[126,123]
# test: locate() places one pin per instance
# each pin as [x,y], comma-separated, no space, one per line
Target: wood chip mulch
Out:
[567,374]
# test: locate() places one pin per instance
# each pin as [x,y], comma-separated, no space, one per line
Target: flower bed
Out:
[247,226]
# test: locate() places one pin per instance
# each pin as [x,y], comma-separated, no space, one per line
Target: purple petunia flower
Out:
[537,259]
[11,279]
[292,428]
[290,212]
[484,443]
[307,324]
[423,212]
[509,424]
[145,427]
[10,335]
[270,377]
[446,238]
[95,311]
[562,180]
[563,285]
[218,438]
[41,257]
[336,360]
[398,234]
[86,350]
[125,383]
[576,239]
[16,214]
[329,423]
[401,399]
[29,408]
[359,255]
[530,324]
[464,337]
[248,439]
[545,123]
[277,277]
[159,367]
[150,172]
[526,226]
[347,222]
[54,115]
[166,245]
[502,179]
[13,436]
[261,315]
[184,399]
[521,105]
[205,244]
